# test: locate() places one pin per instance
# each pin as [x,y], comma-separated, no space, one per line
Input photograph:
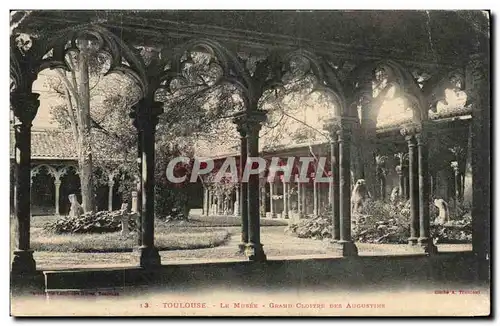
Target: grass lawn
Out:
[197,233]
[115,242]
[221,221]
[168,236]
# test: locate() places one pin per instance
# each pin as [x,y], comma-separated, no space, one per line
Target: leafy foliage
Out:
[381,222]
[455,231]
[90,222]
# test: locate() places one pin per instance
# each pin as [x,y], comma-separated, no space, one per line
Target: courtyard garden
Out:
[382,222]
[196,233]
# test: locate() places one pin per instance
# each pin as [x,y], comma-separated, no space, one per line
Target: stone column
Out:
[456,173]
[263,200]
[335,189]
[304,198]
[345,245]
[25,106]
[139,185]
[251,121]
[299,196]
[332,127]
[206,204]
[209,204]
[111,183]
[315,196]
[230,205]
[286,199]
[409,132]
[330,190]
[220,204]
[478,94]
[146,115]
[243,185]
[237,209]
[57,185]
[271,200]
[134,209]
[406,183]
[319,193]
[425,239]
[401,181]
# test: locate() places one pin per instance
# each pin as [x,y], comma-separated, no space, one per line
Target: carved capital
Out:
[402,158]
[25,106]
[423,135]
[399,170]
[410,129]
[249,121]
[146,114]
[332,126]
[347,124]
[454,165]
[24,62]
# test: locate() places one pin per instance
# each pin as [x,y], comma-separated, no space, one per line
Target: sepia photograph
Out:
[288,163]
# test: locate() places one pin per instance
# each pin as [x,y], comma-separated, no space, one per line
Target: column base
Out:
[273,215]
[23,262]
[346,248]
[149,257]
[427,246]
[412,241]
[241,247]
[255,252]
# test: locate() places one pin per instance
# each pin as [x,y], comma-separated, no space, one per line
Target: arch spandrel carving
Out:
[123,58]
[229,68]
[24,63]
[397,79]
[326,81]
[435,88]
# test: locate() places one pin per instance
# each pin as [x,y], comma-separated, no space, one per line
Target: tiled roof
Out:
[49,144]
[443,113]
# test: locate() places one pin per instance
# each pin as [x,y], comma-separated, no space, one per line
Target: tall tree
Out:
[83,90]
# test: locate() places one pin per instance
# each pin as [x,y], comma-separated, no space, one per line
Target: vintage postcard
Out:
[250,163]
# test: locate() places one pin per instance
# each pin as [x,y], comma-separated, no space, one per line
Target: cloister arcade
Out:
[343,72]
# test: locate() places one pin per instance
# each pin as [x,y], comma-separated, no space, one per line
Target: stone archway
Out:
[42,191]
[70,184]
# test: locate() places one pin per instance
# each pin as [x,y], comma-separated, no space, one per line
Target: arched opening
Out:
[42,192]
[70,184]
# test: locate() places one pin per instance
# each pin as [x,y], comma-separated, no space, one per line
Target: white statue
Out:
[236,208]
[444,214]
[124,217]
[359,196]
[76,210]
[395,194]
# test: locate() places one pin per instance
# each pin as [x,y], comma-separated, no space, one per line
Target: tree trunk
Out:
[85,157]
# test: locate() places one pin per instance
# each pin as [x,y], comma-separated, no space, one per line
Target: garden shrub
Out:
[90,222]
[381,222]
[455,231]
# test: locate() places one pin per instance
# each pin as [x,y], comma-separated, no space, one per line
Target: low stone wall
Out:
[360,272]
